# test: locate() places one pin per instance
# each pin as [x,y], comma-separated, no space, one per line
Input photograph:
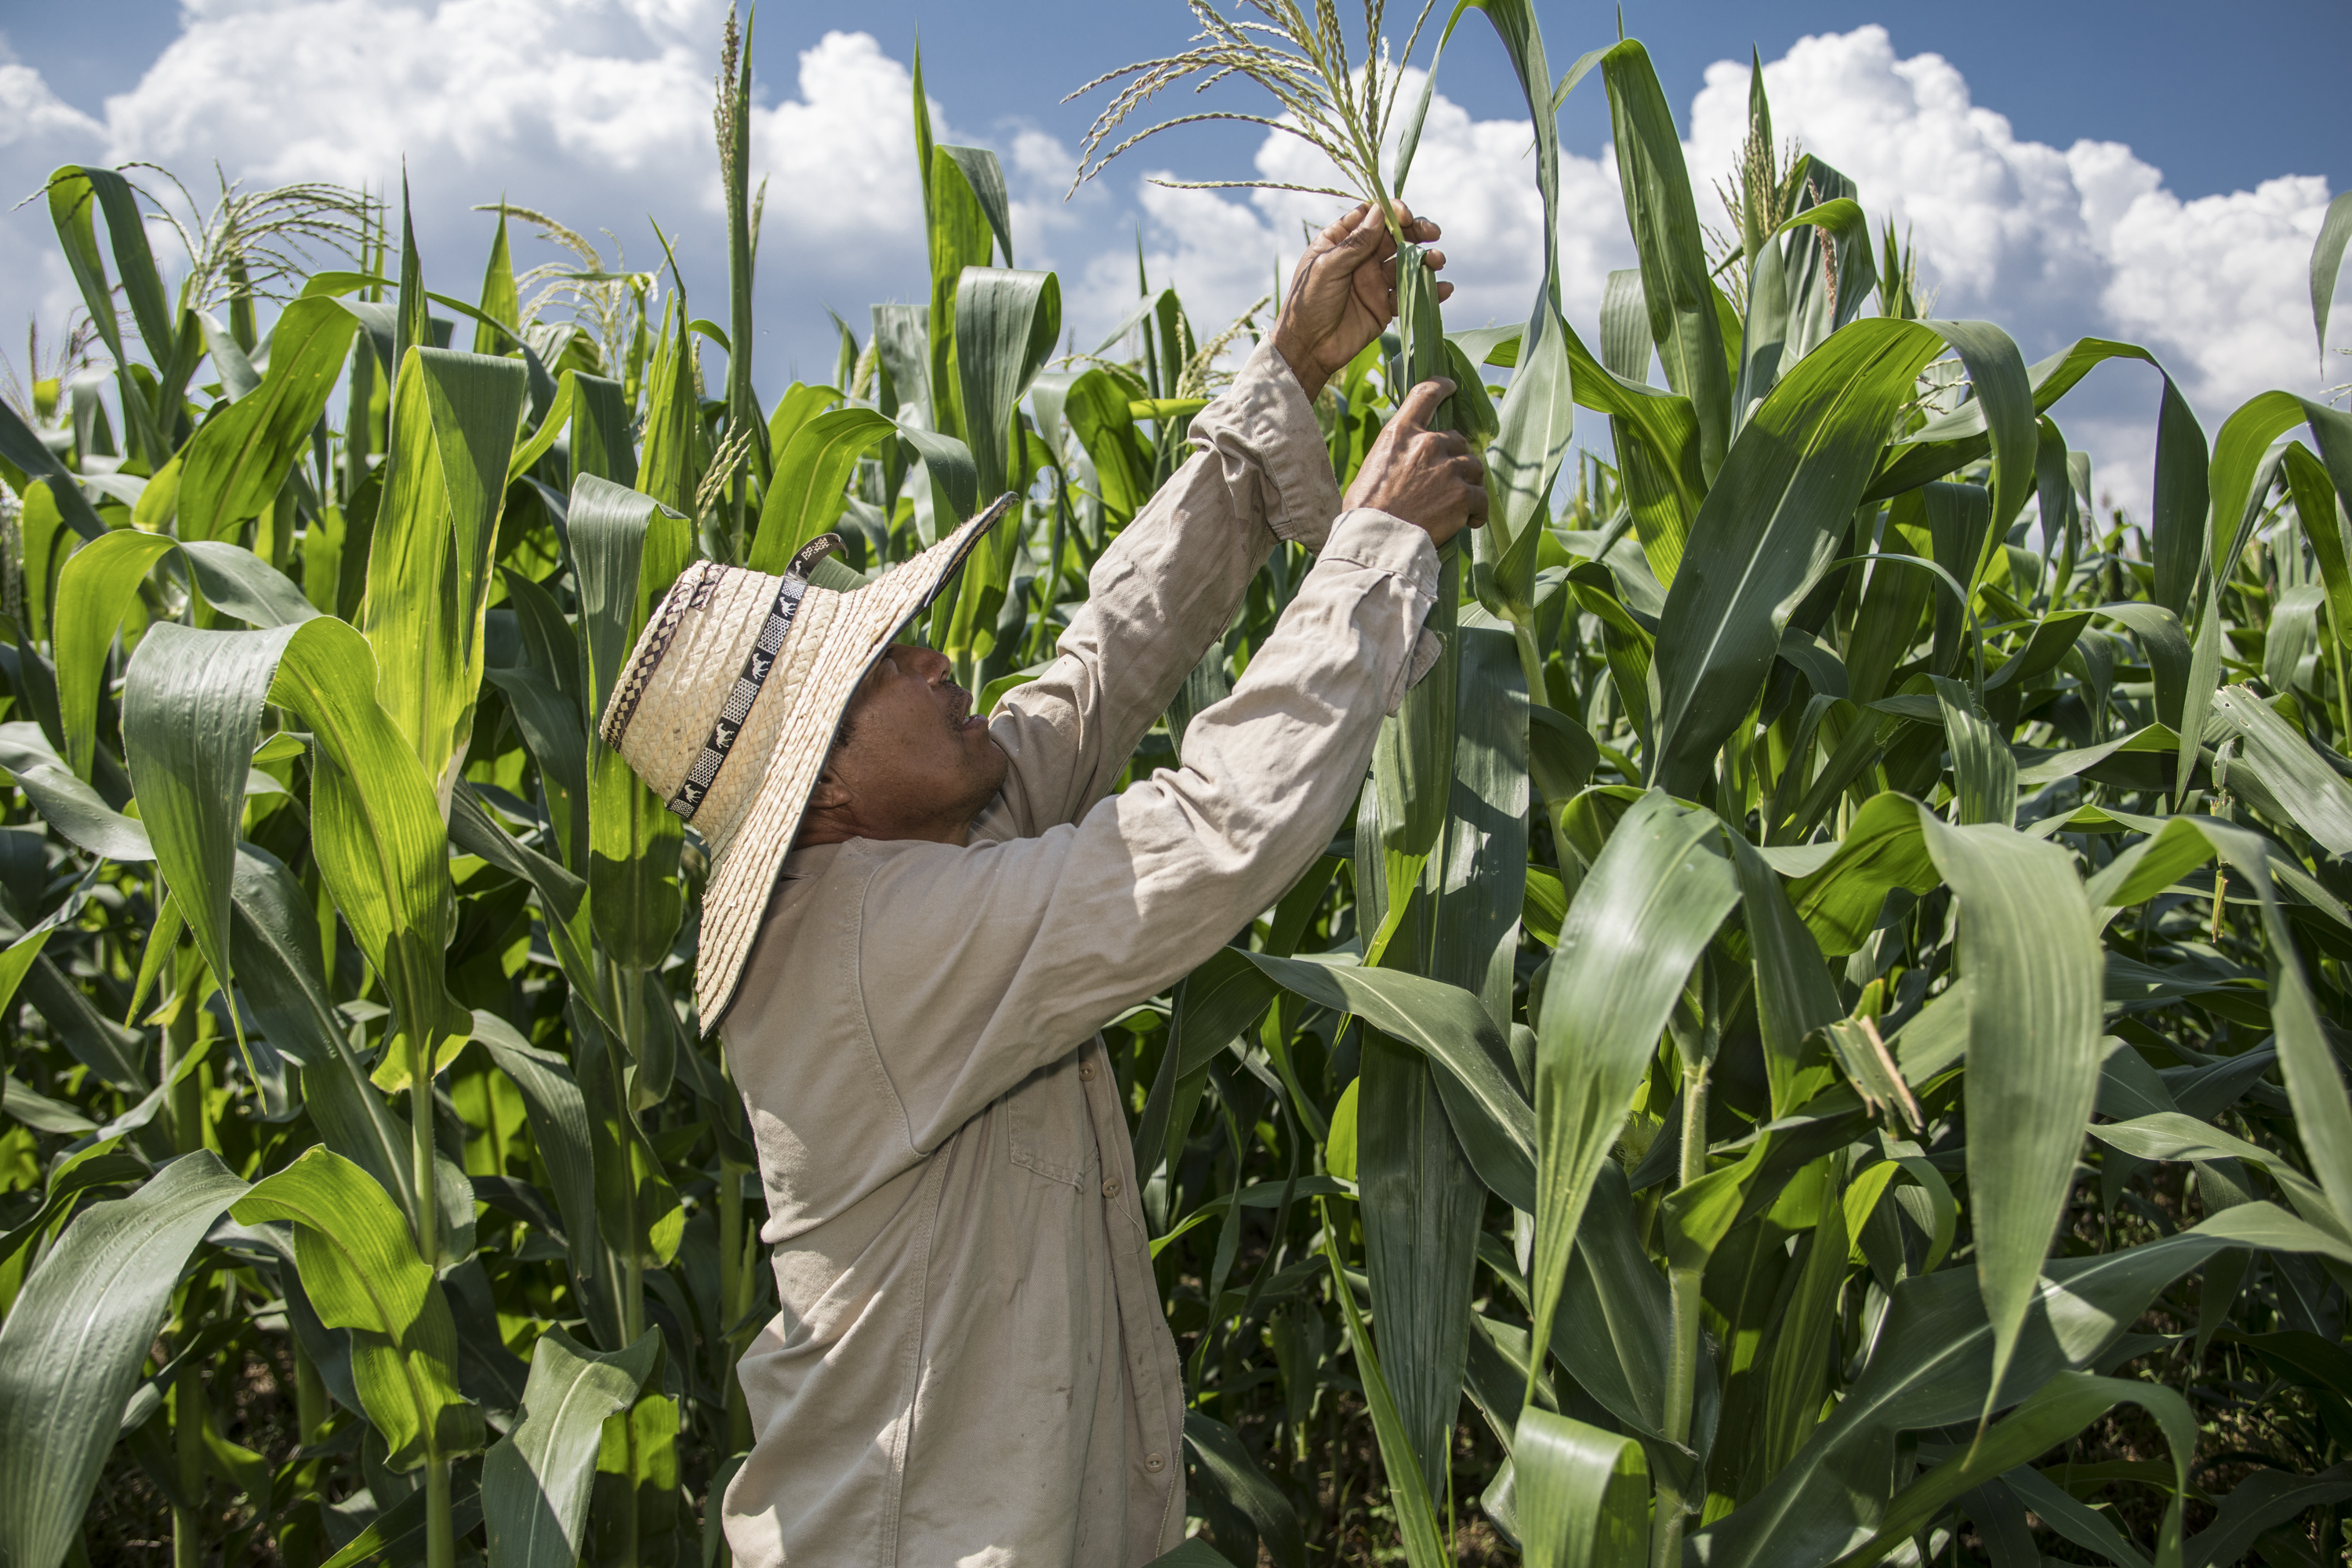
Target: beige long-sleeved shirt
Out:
[971,1365]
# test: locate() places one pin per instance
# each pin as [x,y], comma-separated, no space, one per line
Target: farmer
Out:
[918,916]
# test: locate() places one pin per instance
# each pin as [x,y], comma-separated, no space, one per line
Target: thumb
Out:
[1420,403]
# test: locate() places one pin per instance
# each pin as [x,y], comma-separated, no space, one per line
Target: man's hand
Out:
[1429,477]
[1344,292]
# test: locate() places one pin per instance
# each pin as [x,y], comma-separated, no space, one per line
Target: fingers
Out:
[1341,227]
[1420,230]
[1421,402]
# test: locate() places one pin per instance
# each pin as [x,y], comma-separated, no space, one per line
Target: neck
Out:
[832,827]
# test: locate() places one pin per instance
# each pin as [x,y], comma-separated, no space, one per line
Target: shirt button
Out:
[1111,1190]
[1086,1069]
[1155,1463]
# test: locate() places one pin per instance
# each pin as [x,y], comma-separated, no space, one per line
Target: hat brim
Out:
[860,628]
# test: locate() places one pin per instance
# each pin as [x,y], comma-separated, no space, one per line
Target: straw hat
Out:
[728,707]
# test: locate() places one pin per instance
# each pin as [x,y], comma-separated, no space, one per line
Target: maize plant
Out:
[1819,1044]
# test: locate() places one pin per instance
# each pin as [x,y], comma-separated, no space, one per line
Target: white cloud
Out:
[1475,177]
[599,111]
[2050,244]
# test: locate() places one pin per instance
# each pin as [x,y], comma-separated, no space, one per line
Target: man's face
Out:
[919,758]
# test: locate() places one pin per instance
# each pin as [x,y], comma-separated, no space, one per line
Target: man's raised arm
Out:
[1168,587]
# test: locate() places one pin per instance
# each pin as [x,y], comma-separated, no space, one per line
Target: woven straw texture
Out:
[679,674]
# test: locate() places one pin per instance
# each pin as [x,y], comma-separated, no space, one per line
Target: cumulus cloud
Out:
[599,111]
[2052,245]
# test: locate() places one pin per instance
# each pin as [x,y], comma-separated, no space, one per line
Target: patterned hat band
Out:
[695,788]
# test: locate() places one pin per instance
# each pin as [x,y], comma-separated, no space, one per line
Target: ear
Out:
[830,794]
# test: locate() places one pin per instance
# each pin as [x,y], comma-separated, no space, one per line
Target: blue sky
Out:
[2150,171]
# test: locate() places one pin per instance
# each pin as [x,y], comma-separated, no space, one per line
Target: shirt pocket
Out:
[1046,1126]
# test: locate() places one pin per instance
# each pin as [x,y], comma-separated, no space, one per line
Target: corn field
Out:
[1819,1044]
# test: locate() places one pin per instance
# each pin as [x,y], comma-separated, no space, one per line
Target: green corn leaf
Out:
[2243,462]
[1796,1374]
[2004,390]
[1421,1201]
[986,178]
[232,468]
[1885,849]
[362,1274]
[501,304]
[400,1533]
[1538,419]
[806,495]
[951,490]
[625,552]
[798,405]
[1582,1494]
[1794,995]
[1768,529]
[1649,904]
[1984,770]
[65,802]
[2263,1501]
[2326,261]
[377,831]
[1613,1328]
[559,1125]
[959,237]
[1007,323]
[21,447]
[1675,282]
[2056,1411]
[1416,1516]
[94,590]
[1949,442]
[2172,1135]
[2074,1519]
[77,194]
[236,581]
[562,897]
[2320,510]
[429,570]
[1931,1366]
[1447,1025]
[593,409]
[1221,1454]
[2314,1084]
[276,945]
[2314,793]
[551,424]
[675,455]
[902,350]
[1788,306]
[2176,520]
[192,707]
[1096,408]
[2035,971]
[537,1480]
[71,1349]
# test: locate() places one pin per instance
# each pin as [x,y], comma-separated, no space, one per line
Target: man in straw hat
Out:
[918,916]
